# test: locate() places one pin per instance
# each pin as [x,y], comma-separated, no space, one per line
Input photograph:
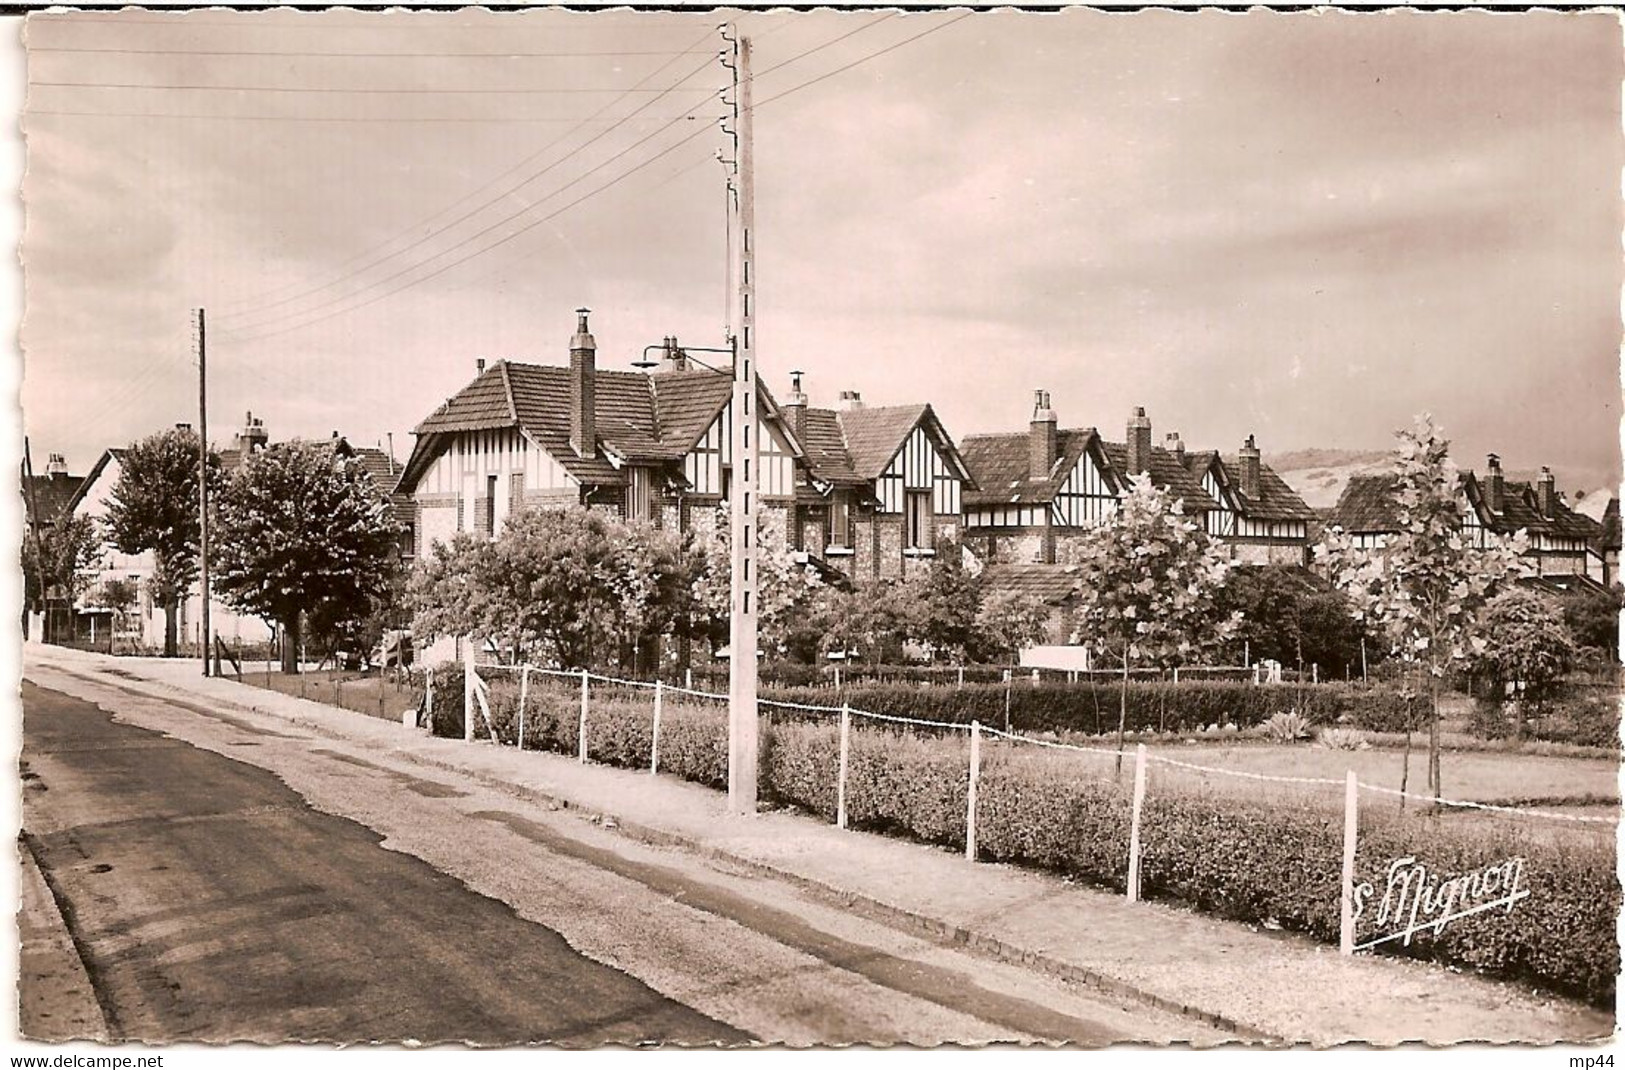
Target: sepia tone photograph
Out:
[701,528]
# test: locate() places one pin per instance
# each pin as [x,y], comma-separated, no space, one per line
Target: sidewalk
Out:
[1263,985]
[55,1001]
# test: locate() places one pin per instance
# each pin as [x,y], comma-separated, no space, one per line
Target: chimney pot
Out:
[583,389]
[1043,438]
[1251,468]
[1546,491]
[1139,442]
[851,400]
[479,365]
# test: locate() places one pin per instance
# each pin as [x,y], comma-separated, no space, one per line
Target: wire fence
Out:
[586,689]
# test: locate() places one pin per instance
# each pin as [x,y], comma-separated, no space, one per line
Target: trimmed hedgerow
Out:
[1263,861]
[1092,707]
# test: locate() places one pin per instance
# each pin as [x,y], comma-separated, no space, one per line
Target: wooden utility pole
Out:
[742,716]
[203,483]
[35,526]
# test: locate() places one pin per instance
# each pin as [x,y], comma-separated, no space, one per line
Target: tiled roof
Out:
[385,472]
[1000,466]
[1166,472]
[1050,584]
[49,495]
[1275,501]
[686,404]
[858,445]
[1367,504]
[825,447]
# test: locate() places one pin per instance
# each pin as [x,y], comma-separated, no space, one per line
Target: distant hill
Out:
[1319,476]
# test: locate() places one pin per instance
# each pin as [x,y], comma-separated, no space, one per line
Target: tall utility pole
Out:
[203,481]
[35,526]
[742,723]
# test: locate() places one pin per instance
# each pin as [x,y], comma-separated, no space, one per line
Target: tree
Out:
[1148,583]
[1293,617]
[117,596]
[786,590]
[1425,588]
[1527,645]
[1593,619]
[154,508]
[303,529]
[940,608]
[1008,622]
[61,557]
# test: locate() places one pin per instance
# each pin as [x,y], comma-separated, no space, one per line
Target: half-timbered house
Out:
[1561,541]
[1037,490]
[1260,519]
[654,448]
[881,488]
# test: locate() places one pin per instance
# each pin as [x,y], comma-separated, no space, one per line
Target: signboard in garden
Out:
[1416,900]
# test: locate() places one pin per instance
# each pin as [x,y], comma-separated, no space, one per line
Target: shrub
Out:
[1344,739]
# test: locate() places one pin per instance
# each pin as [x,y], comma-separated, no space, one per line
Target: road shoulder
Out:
[56,1001]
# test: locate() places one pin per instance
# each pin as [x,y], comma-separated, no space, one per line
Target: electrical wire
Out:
[532,158]
[245,52]
[434,91]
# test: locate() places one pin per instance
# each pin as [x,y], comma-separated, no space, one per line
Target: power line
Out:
[316,118]
[491,201]
[865,59]
[592,193]
[353,55]
[334,89]
[529,159]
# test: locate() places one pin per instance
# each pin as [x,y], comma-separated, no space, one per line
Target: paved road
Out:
[231,875]
[214,903]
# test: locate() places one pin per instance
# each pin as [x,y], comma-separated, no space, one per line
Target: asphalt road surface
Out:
[226,876]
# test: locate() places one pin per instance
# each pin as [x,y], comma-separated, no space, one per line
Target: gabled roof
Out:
[47,497]
[1166,472]
[1369,505]
[1000,466]
[1049,584]
[638,418]
[385,472]
[858,445]
[109,456]
[1275,499]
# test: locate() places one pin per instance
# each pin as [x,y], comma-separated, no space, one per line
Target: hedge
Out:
[1092,707]
[1256,861]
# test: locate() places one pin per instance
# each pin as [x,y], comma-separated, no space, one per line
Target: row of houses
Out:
[869,492]
[866,493]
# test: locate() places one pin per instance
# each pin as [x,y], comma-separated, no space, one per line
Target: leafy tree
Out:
[61,557]
[1426,586]
[1293,617]
[940,608]
[302,529]
[1008,622]
[1527,644]
[785,589]
[1148,586]
[1593,620]
[117,596]
[869,619]
[154,508]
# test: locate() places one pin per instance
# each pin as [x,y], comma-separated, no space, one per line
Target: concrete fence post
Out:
[1035,677]
[581,725]
[468,691]
[428,696]
[962,677]
[970,794]
[1134,824]
[654,738]
[1351,833]
[840,779]
[524,693]
[837,677]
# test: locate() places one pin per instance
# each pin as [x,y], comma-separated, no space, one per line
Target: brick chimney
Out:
[1043,440]
[583,389]
[795,405]
[1546,492]
[1175,445]
[1251,460]
[851,401]
[1495,488]
[253,435]
[1139,442]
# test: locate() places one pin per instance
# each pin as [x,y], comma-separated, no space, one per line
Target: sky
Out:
[1305,227]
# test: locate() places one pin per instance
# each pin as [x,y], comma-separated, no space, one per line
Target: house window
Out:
[840,519]
[490,517]
[917,518]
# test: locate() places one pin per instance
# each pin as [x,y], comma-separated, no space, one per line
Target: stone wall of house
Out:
[889,546]
[1267,553]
